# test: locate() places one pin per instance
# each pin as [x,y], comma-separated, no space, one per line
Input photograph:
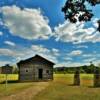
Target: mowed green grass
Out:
[9,77]
[12,88]
[62,89]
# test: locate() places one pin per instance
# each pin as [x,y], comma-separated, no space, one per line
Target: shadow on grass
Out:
[73,85]
[83,86]
[17,81]
[94,86]
[10,81]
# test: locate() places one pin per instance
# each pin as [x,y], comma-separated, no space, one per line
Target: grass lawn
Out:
[12,87]
[60,88]
[9,77]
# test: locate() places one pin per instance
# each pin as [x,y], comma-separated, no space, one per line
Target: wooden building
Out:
[7,69]
[35,69]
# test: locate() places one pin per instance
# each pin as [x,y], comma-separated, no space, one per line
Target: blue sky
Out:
[29,27]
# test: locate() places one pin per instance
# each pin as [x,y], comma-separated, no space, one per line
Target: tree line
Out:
[83,69]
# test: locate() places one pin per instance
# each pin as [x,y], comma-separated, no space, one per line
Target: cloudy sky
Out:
[29,27]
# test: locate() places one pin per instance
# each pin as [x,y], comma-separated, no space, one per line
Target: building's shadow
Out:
[10,81]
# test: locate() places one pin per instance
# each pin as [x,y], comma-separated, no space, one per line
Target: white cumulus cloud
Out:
[75,53]
[1,33]
[2,63]
[50,54]
[10,43]
[81,46]
[26,23]
[6,52]
[76,33]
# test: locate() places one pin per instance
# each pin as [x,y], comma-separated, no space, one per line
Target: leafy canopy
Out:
[76,10]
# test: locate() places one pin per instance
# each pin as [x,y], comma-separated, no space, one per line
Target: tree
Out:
[76,10]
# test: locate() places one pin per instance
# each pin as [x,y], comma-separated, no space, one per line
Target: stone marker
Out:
[77,77]
[97,77]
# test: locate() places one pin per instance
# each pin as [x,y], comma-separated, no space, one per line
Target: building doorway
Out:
[40,73]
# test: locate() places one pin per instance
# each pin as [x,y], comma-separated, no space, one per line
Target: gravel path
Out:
[27,94]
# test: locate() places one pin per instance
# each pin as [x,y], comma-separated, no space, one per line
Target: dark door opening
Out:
[40,73]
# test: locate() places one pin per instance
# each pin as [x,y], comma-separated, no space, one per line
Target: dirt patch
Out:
[27,94]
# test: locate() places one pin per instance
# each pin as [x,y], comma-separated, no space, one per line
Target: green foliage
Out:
[76,10]
[83,69]
[15,70]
